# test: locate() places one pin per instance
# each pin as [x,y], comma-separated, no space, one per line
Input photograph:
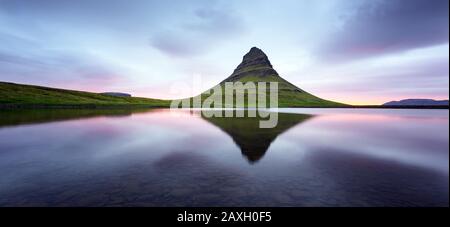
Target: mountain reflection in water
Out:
[252,140]
[246,133]
[158,157]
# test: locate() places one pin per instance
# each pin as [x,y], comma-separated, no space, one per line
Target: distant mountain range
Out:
[417,102]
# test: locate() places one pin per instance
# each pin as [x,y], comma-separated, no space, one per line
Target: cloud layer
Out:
[208,27]
[388,26]
[337,49]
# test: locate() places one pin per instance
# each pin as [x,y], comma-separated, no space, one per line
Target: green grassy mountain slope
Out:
[256,67]
[18,95]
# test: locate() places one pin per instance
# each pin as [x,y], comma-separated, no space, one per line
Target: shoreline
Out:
[145,106]
[78,106]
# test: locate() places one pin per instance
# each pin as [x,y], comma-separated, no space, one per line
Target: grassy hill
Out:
[256,67]
[18,95]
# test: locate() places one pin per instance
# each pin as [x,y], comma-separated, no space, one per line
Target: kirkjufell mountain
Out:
[256,67]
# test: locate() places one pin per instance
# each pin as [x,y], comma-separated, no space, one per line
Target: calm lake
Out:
[314,157]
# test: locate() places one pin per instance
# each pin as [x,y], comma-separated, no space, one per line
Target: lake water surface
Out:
[314,157]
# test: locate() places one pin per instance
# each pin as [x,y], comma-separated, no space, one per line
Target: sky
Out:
[352,51]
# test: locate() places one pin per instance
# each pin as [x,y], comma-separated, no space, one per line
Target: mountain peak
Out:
[255,52]
[255,57]
[255,63]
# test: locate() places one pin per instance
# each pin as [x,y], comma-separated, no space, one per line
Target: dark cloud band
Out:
[388,26]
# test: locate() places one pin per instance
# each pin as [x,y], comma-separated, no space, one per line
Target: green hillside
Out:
[256,67]
[18,95]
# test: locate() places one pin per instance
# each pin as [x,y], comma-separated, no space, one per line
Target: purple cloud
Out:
[388,26]
[173,45]
[55,67]
[420,79]
[208,27]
